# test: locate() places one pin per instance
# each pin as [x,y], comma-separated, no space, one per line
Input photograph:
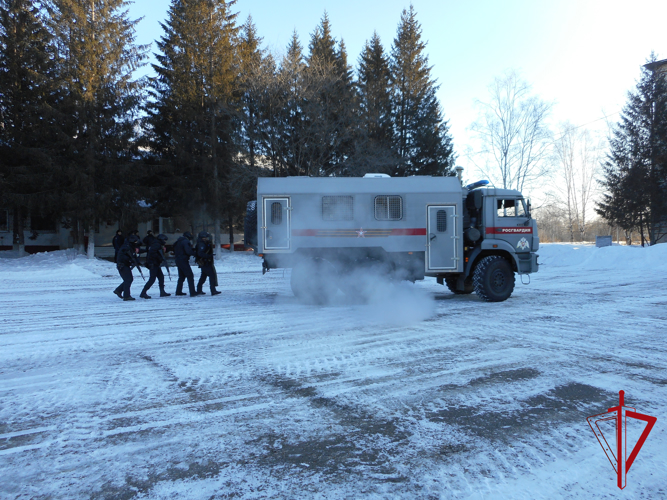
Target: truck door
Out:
[442,241]
[510,219]
[276,216]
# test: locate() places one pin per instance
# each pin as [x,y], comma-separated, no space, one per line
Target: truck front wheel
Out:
[493,279]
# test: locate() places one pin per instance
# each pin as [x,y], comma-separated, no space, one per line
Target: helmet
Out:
[203,235]
[163,238]
[134,239]
[188,235]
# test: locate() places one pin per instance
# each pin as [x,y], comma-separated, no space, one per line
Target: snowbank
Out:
[59,264]
[606,258]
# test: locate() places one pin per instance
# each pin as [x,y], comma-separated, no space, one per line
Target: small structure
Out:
[603,241]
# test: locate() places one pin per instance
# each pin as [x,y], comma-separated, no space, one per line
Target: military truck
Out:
[331,230]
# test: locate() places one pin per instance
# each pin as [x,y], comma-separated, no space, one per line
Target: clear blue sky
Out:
[583,54]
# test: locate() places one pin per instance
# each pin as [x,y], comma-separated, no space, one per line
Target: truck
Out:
[330,231]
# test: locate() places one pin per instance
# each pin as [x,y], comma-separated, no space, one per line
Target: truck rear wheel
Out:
[493,279]
[314,281]
[468,286]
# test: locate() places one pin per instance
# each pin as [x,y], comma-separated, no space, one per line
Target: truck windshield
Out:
[511,208]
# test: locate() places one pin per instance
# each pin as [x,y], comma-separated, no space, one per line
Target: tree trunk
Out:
[218,240]
[231,229]
[77,234]
[91,242]
[19,231]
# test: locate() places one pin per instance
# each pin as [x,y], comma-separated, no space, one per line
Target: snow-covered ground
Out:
[250,394]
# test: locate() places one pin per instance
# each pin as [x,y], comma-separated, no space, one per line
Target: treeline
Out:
[81,139]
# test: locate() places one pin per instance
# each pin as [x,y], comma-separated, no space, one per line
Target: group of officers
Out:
[128,250]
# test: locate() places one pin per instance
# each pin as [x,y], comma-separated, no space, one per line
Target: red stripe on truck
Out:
[509,230]
[355,233]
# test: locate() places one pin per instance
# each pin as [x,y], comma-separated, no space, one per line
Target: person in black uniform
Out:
[205,261]
[154,260]
[183,251]
[117,242]
[149,239]
[127,259]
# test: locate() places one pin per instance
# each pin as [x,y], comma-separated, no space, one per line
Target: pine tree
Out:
[290,103]
[635,172]
[28,180]
[375,108]
[421,136]
[251,59]
[96,57]
[194,107]
[329,104]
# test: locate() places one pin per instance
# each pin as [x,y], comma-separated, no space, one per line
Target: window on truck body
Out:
[276,213]
[388,207]
[337,208]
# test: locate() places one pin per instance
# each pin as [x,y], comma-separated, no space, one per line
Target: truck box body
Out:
[392,216]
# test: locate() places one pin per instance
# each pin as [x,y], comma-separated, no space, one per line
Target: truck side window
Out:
[337,208]
[276,213]
[511,208]
[388,207]
[441,221]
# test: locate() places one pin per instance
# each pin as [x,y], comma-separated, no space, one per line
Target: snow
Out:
[251,394]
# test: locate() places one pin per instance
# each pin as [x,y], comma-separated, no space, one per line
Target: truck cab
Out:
[498,224]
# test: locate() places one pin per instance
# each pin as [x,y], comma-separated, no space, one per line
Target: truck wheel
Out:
[314,281]
[493,279]
[468,286]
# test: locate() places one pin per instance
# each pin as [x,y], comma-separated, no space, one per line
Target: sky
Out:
[584,55]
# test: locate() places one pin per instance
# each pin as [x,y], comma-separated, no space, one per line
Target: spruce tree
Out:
[251,58]
[421,135]
[290,103]
[96,57]
[329,105]
[375,108]
[635,172]
[194,108]
[28,180]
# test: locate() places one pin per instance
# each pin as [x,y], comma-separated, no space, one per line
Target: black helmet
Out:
[134,239]
[203,235]
[163,238]
[187,235]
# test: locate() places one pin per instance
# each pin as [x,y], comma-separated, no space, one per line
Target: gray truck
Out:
[470,238]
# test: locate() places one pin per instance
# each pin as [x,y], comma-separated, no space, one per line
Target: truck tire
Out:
[250,225]
[314,281]
[468,285]
[493,279]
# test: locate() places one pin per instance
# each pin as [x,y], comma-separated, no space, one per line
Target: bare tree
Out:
[513,134]
[577,153]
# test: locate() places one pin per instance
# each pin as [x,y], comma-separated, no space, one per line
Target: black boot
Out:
[129,298]
[180,294]
[119,293]
[144,295]
[165,294]
[215,292]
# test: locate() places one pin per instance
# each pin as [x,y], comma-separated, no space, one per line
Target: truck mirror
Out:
[477,199]
[528,208]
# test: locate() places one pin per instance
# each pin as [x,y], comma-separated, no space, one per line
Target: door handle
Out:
[432,237]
